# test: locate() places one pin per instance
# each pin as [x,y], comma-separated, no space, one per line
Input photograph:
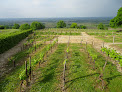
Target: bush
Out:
[36,25]
[24,26]
[61,24]
[2,27]
[16,26]
[101,26]
[73,25]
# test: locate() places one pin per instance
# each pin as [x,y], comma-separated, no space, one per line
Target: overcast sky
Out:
[58,8]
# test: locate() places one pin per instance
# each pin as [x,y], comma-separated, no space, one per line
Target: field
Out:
[70,60]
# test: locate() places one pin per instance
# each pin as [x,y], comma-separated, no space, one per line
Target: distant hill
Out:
[91,22]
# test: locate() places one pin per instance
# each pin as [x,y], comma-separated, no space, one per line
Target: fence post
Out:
[35,45]
[30,67]
[86,45]
[113,39]
[26,68]
[103,44]
[14,62]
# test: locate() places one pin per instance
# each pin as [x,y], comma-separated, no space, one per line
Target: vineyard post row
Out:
[64,63]
[28,70]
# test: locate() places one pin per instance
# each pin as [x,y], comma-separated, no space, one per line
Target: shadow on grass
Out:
[73,80]
[110,78]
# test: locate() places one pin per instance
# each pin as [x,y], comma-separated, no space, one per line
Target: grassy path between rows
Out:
[49,79]
[80,73]
[81,77]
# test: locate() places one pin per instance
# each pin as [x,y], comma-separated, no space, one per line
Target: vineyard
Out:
[57,60]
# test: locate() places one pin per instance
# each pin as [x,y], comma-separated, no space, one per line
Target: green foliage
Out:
[117,21]
[36,59]
[25,26]
[101,26]
[113,54]
[73,25]
[1,27]
[68,50]
[7,41]
[36,25]
[81,27]
[6,27]
[16,26]
[94,56]
[61,24]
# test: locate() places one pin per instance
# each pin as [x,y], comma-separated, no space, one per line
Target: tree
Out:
[117,21]
[24,26]
[1,27]
[61,24]
[101,26]
[16,26]
[6,27]
[36,25]
[82,27]
[73,25]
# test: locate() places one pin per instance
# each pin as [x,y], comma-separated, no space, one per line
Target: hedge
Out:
[7,41]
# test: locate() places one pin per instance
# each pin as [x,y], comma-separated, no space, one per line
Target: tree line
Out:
[34,25]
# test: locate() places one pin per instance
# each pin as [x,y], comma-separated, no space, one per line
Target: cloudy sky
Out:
[58,8]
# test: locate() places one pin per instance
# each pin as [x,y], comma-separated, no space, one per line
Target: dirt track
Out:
[87,38]
[4,56]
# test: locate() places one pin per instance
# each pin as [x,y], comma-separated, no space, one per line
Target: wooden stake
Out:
[14,63]
[30,67]
[35,46]
[103,44]
[113,39]
[86,45]
[26,68]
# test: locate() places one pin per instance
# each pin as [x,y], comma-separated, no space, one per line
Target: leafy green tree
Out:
[24,26]
[6,27]
[2,27]
[117,21]
[73,25]
[16,26]
[36,25]
[82,27]
[61,24]
[101,26]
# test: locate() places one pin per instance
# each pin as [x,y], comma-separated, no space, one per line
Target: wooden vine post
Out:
[30,67]
[35,45]
[26,72]
[39,63]
[86,46]
[64,75]
[81,42]
[14,63]
[113,39]
[26,68]
[103,44]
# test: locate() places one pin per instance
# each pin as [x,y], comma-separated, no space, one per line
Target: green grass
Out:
[48,78]
[82,77]
[79,74]
[107,36]
[110,38]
